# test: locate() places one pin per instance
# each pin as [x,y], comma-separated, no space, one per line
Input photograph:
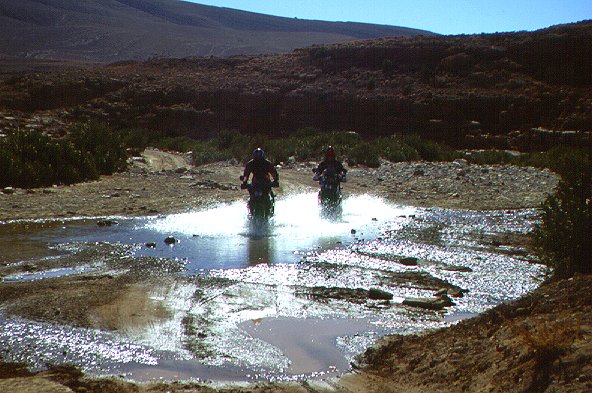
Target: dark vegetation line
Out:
[31,159]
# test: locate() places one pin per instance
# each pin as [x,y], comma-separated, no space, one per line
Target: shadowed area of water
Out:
[284,299]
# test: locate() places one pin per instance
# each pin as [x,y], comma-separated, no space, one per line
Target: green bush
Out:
[364,153]
[204,153]
[491,157]
[32,159]
[137,138]
[308,145]
[104,145]
[563,238]
[567,161]
[393,149]
[429,150]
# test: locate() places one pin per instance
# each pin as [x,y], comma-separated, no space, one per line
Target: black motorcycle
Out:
[261,203]
[330,189]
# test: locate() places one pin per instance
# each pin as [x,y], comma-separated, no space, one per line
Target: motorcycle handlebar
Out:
[245,186]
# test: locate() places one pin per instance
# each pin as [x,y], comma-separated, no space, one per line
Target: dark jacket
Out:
[262,170]
[338,166]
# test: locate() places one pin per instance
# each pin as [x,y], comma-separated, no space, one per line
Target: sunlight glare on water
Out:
[222,220]
[225,233]
[296,213]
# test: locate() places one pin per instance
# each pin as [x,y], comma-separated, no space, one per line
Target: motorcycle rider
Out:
[262,170]
[330,163]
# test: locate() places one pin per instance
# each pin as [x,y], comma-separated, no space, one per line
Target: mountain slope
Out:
[110,30]
[470,91]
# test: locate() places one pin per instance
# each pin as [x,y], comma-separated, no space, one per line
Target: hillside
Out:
[110,30]
[474,91]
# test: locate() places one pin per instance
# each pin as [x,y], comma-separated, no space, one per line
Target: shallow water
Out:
[259,300]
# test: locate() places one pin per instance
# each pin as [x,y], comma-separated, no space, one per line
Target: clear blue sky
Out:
[439,16]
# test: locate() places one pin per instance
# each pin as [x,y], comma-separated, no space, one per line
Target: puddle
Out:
[282,300]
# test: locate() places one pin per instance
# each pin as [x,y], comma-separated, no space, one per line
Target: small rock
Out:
[107,223]
[29,267]
[454,292]
[353,231]
[170,240]
[437,303]
[408,261]
[8,190]
[151,245]
[455,268]
[419,172]
[379,294]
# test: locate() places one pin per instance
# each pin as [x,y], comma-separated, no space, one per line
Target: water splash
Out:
[294,215]
[225,233]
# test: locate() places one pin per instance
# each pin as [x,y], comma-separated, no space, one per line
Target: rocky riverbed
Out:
[162,183]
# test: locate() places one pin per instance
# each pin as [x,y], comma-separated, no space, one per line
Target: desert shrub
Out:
[364,153]
[429,150]
[138,138]
[229,139]
[206,152]
[308,144]
[279,150]
[546,343]
[104,145]
[347,139]
[31,159]
[563,236]
[393,149]
[490,157]
[566,161]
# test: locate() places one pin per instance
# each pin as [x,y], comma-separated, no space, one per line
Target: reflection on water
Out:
[282,299]
[224,237]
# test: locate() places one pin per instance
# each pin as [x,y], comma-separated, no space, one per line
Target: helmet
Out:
[330,152]
[258,154]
